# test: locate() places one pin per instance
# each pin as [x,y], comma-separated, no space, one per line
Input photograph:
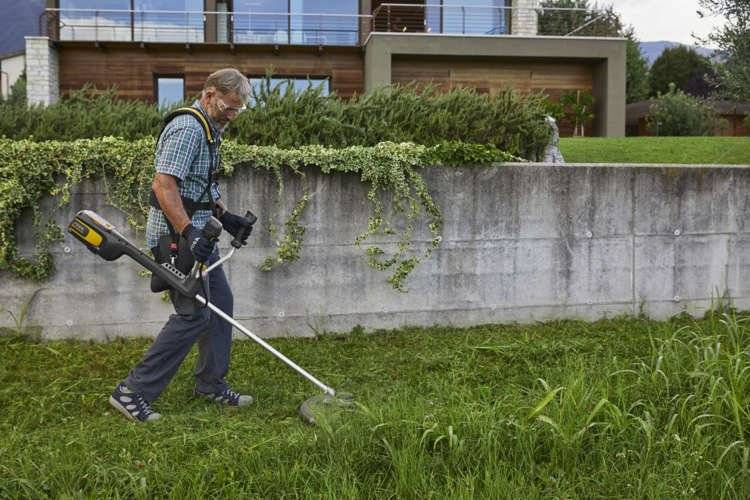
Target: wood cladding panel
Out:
[491,74]
[132,68]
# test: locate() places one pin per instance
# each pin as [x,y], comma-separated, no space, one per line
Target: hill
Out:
[652,50]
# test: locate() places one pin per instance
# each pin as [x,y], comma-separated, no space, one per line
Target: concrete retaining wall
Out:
[521,243]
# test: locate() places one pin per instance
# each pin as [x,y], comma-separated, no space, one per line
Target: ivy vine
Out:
[31,171]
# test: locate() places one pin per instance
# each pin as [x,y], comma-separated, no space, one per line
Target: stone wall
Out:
[524,20]
[42,71]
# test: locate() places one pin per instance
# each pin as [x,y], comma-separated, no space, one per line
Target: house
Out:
[162,50]
[733,113]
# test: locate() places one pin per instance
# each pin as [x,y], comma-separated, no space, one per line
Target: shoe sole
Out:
[213,399]
[116,404]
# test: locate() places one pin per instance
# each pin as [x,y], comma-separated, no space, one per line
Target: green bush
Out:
[509,121]
[84,114]
[678,114]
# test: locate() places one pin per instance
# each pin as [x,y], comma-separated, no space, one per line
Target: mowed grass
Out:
[622,408]
[684,150]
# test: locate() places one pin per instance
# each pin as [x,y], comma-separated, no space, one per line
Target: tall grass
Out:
[618,408]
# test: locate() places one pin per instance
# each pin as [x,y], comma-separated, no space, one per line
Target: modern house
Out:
[162,50]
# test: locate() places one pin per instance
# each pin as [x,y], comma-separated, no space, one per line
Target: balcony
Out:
[490,20]
[287,28]
[277,28]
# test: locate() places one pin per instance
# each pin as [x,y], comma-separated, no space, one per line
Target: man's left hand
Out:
[234,224]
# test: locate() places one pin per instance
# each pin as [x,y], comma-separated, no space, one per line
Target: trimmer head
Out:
[325,406]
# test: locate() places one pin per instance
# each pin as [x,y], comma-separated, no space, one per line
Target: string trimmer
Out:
[104,240]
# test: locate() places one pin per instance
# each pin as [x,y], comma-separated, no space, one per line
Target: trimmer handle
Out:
[212,229]
[243,234]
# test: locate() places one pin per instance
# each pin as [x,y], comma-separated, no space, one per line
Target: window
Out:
[95,20]
[150,20]
[477,17]
[300,22]
[168,20]
[170,90]
[299,84]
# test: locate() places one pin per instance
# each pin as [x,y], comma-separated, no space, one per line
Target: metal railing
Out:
[123,25]
[296,29]
[103,25]
[490,20]
[290,28]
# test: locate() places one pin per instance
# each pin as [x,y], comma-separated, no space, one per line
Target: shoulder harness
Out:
[190,205]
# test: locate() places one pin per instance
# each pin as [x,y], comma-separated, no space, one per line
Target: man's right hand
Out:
[200,246]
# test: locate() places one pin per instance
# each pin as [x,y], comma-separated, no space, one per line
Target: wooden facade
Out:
[489,75]
[132,67]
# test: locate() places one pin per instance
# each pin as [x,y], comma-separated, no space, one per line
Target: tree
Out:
[578,107]
[679,65]
[593,21]
[678,114]
[636,69]
[590,21]
[17,94]
[733,40]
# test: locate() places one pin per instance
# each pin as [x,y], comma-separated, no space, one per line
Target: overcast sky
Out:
[672,20]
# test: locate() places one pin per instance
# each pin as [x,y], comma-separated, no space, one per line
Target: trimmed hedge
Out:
[509,121]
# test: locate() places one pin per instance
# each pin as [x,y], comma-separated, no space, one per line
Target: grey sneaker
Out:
[132,405]
[227,397]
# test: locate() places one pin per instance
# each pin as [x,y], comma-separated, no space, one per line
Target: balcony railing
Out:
[103,25]
[289,28]
[490,20]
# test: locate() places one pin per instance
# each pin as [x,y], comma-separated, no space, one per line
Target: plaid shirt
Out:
[183,152]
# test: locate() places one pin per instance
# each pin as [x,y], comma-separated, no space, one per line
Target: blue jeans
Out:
[191,322]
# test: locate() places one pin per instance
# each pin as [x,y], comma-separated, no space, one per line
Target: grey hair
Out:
[229,80]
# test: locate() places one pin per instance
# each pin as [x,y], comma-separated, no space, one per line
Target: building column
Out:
[42,71]
[524,20]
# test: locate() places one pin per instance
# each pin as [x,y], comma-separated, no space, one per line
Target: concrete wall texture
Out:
[521,242]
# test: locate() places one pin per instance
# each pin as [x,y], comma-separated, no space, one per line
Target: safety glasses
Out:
[224,108]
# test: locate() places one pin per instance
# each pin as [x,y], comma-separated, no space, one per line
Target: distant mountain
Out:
[652,50]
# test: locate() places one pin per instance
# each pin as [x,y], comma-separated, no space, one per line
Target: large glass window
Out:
[170,90]
[282,83]
[261,21]
[168,20]
[476,17]
[301,22]
[95,20]
[151,20]
[324,22]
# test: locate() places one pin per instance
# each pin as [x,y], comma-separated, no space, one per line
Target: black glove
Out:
[234,224]
[200,246]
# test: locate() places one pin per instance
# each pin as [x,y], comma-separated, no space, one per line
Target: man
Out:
[185,197]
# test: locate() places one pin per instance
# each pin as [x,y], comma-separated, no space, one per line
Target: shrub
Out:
[84,114]
[577,106]
[678,114]
[508,121]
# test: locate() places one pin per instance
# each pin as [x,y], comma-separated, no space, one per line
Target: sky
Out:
[671,20]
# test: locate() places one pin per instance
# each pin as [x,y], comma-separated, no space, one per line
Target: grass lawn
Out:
[619,408]
[685,150]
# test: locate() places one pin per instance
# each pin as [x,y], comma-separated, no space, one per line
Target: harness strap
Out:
[190,205]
